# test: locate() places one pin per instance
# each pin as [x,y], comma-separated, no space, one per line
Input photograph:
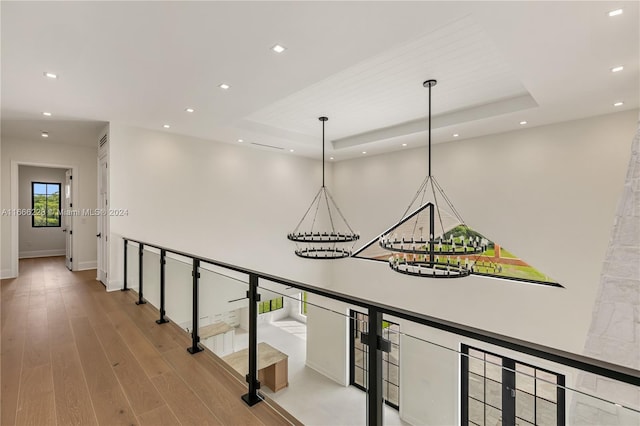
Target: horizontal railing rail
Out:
[376,310]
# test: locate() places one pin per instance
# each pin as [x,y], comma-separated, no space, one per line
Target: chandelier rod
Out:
[323,119]
[429,130]
[429,84]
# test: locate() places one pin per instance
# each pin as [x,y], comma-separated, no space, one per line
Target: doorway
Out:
[103,220]
[42,226]
[358,354]
[497,390]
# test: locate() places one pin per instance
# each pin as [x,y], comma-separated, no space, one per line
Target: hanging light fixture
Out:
[431,240]
[323,213]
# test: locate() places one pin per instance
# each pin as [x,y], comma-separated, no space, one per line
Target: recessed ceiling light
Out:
[290,150]
[240,140]
[50,75]
[190,110]
[330,158]
[615,12]
[617,69]
[278,48]
[166,126]
[455,135]
[45,134]
[46,114]
[404,144]
[523,122]
[364,152]
[224,86]
[617,104]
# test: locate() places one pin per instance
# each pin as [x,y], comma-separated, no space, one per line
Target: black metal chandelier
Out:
[432,240]
[329,243]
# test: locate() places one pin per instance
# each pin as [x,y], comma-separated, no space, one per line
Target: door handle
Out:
[64,230]
[99,235]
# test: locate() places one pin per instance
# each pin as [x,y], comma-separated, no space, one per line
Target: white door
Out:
[103,220]
[68,219]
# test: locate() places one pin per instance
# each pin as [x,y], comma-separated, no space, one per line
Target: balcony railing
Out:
[413,368]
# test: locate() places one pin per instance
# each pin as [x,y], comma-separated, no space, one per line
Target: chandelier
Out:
[318,234]
[431,240]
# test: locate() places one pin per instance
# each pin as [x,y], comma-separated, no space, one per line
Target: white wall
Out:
[81,158]
[231,203]
[37,242]
[328,338]
[548,194]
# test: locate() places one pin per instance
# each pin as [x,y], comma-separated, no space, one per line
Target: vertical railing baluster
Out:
[124,285]
[163,262]
[374,374]
[140,272]
[195,348]
[252,397]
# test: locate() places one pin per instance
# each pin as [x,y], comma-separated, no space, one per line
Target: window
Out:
[390,360]
[499,390]
[270,305]
[303,303]
[45,202]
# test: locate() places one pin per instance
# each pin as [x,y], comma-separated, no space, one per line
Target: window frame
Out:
[509,374]
[273,305]
[33,202]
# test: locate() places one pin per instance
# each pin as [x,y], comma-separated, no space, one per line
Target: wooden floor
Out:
[73,354]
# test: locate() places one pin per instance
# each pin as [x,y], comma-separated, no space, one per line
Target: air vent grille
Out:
[267,146]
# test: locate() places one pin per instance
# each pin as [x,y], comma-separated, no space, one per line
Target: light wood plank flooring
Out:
[73,354]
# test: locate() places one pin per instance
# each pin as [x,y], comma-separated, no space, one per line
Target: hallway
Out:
[73,354]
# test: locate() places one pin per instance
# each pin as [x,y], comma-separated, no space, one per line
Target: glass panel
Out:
[394,374]
[178,291]
[493,393]
[546,413]
[303,360]
[525,406]
[132,266]
[476,411]
[476,362]
[359,376]
[151,277]
[394,394]
[223,310]
[544,389]
[39,189]
[476,386]
[493,416]
[525,380]
[493,368]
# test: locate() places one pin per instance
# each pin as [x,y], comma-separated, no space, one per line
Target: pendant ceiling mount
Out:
[431,240]
[323,232]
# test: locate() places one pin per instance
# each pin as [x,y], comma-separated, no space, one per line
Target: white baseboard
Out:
[6,273]
[85,266]
[322,371]
[41,253]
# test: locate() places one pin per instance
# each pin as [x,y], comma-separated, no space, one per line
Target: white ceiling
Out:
[360,63]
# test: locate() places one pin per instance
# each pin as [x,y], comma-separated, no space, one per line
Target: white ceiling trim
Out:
[492,109]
